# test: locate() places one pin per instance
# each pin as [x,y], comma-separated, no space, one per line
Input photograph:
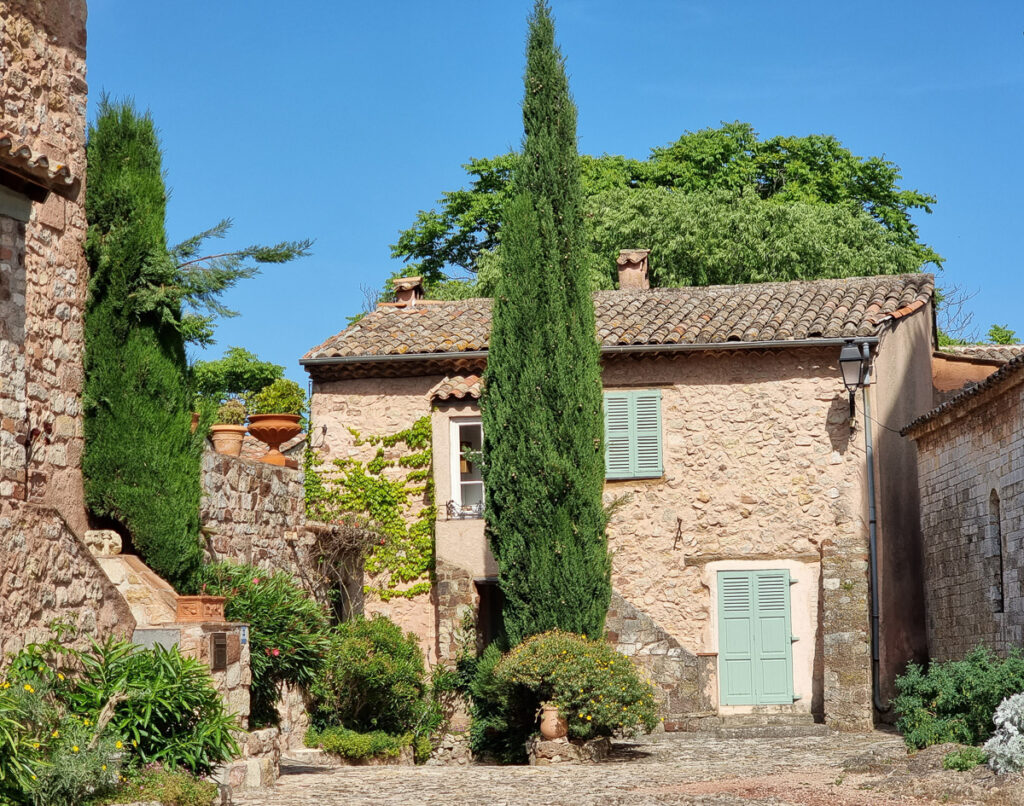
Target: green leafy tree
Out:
[734,177]
[542,413]
[142,460]
[238,374]
[1001,334]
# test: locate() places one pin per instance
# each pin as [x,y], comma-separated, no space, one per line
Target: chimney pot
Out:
[633,268]
[408,289]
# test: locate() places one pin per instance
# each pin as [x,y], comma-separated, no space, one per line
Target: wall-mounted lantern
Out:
[855,363]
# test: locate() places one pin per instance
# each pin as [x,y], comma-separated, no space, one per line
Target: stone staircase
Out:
[765,725]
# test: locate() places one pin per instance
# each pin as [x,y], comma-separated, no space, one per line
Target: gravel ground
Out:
[836,770]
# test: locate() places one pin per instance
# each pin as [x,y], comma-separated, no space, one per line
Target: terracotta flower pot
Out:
[273,429]
[552,724]
[227,439]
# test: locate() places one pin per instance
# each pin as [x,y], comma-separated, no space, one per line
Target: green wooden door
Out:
[755,645]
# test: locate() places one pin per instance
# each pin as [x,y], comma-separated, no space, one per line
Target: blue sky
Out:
[338,121]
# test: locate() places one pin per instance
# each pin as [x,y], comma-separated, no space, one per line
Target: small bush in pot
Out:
[283,396]
[597,690]
[231,412]
[228,431]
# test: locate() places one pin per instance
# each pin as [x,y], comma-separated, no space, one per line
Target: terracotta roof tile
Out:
[1012,370]
[36,168]
[709,315]
[457,386]
[986,352]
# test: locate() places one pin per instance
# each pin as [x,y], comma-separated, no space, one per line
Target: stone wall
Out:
[973,549]
[43,95]
[46,574]
[377,406]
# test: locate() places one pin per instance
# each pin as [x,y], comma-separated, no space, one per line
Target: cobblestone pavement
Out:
[663,769]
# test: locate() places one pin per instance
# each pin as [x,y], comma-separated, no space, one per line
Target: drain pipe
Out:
[869,448]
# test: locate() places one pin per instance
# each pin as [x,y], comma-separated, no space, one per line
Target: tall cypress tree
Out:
[542,413]
[142,461]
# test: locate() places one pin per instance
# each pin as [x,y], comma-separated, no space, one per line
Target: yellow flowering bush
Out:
[598,690]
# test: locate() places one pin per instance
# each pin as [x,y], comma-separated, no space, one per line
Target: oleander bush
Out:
[287,629]
[1006,747]
[954,701]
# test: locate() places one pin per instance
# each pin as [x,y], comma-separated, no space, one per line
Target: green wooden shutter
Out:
[618,435]
[648,433]
[632,434]
[755,644]
[773,638]
[736,637]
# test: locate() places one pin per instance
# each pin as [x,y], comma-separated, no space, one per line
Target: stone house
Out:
[971,470]
[750,504]
[45,569]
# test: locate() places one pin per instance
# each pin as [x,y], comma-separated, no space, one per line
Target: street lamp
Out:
[854,361]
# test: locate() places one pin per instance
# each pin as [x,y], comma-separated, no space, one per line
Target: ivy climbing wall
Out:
[374,453]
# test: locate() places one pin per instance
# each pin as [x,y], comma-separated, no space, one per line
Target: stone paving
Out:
[660,769]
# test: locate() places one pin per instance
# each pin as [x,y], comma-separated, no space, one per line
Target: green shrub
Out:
[166,786]
[372,679]
[964,759]
[954,701]
[283,396]
[18,751]
[596,689]
[502,715]
[231,412]
[287,629]
[166,708]
[352,744]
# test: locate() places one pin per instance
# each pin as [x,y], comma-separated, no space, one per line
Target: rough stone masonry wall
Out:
[760,465]
[962,457]
[47,573]
[43,98]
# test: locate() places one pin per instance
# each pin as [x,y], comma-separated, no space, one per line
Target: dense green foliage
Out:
[733,176]
[1001,334]
[287,629]
[142,460]
[964,759]
[955,701]
[596,689]
[383,500]
[373,678]
[282,396]
[542,411]
[72,720]
[375,744]
[239,374]
[170,787]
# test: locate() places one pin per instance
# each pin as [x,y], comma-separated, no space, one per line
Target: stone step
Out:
[769,726]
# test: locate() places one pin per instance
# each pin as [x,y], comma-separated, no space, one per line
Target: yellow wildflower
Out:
[29,689]
[135,742]
[60,676]
[74,748]
[103,767]
[118,744]
[7,685]
[55,734]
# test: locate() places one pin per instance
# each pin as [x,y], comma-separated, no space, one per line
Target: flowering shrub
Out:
[597,689]
[287,629]
[1006,747]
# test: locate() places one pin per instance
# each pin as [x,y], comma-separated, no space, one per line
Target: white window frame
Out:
[455,425]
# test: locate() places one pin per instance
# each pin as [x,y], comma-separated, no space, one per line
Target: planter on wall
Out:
[227,439]
[274,429]
[552,724]
[200,608]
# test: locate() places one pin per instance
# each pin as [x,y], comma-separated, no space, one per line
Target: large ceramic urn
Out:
[274,429]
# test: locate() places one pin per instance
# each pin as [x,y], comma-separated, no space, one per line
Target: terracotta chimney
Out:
[633,268]
[408,289]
